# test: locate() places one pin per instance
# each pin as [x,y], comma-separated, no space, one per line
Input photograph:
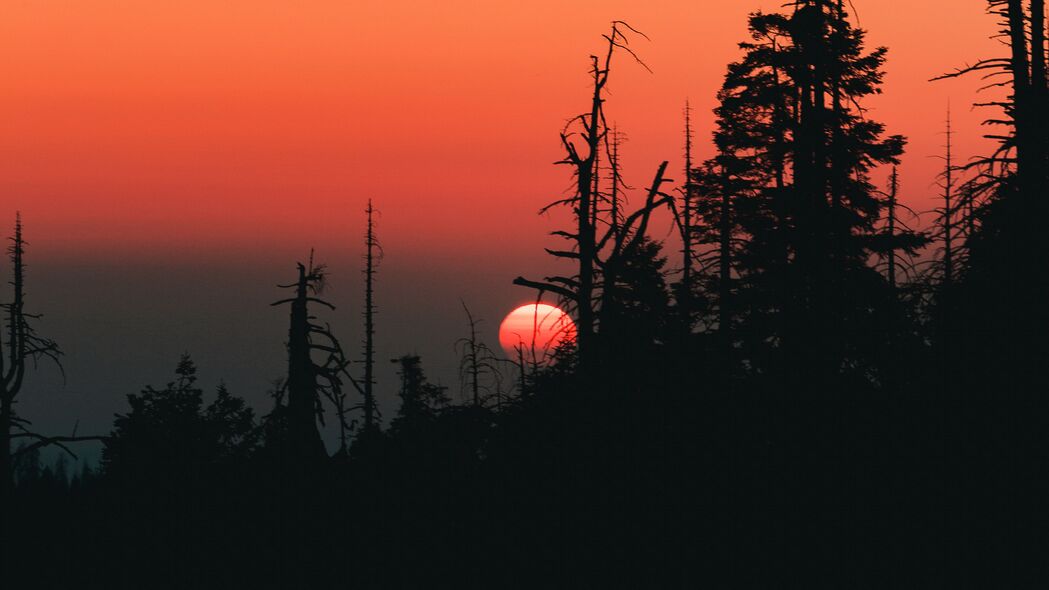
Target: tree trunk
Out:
[6,463]
[304,438]
[369,325]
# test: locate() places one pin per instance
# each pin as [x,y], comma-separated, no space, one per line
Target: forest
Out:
[804,386]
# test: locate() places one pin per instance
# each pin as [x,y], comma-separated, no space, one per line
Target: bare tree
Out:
[19,346]
[946,214]
[478,368]
[373,255]
[580,291]
[894,187]
[310,380]
[1023,151]
[686,225]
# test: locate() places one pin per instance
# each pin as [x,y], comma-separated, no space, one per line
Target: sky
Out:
[174,159]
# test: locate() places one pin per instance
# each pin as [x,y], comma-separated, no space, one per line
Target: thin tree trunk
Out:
[1038,55]
[302,379]
[1020,65]
[587,245]
[686,229]
[948,186]
[893,188]
[6,464]
[369,324]
[725,261]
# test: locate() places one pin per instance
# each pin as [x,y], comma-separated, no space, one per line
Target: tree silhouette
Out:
[373,254]
[478,366]
[1005,196]
[19,345]
[601,256]
[803,398]
[796,150]
[308,379]
[421,401]
[946,215]
[169,435]
[686,291]
[579,290]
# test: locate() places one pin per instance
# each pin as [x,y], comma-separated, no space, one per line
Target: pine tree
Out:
[421,400]
[795,153]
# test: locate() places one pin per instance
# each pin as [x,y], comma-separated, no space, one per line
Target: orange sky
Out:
[258,128]
[174,158]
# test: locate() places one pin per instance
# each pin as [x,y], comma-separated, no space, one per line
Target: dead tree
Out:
[478,370]
[579,291]
[309,380]
[617,248]
[373,255]
[894,187]
[20,345]
[1023,152]
[687,200]
[947,212]
[615,197]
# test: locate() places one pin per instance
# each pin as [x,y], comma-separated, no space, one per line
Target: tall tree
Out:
[311,380]
[796,149]
[894,188]
[19,345]
[948,211]
[1000,294]
[579,290]
[598,256]
[372,257]
[687,229]
[1017,170]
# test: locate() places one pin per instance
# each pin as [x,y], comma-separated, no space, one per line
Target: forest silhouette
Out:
[804,386]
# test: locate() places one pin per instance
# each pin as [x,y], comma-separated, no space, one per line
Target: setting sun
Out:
[538,328]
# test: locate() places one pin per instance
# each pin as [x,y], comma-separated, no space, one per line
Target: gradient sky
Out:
[173,159]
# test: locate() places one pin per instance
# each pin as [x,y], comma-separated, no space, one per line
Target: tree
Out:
[478,370]
[579,289]
[946,215]
[373,255]
[1001,293]
[795,151]
[686,292]
[310,380]
[421,400]
[19,345]
[169,435]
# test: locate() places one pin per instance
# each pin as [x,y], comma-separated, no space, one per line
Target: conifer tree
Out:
[795,151]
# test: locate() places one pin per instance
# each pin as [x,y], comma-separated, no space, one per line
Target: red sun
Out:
[535,331]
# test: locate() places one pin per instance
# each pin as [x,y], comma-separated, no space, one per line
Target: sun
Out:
[534,331]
